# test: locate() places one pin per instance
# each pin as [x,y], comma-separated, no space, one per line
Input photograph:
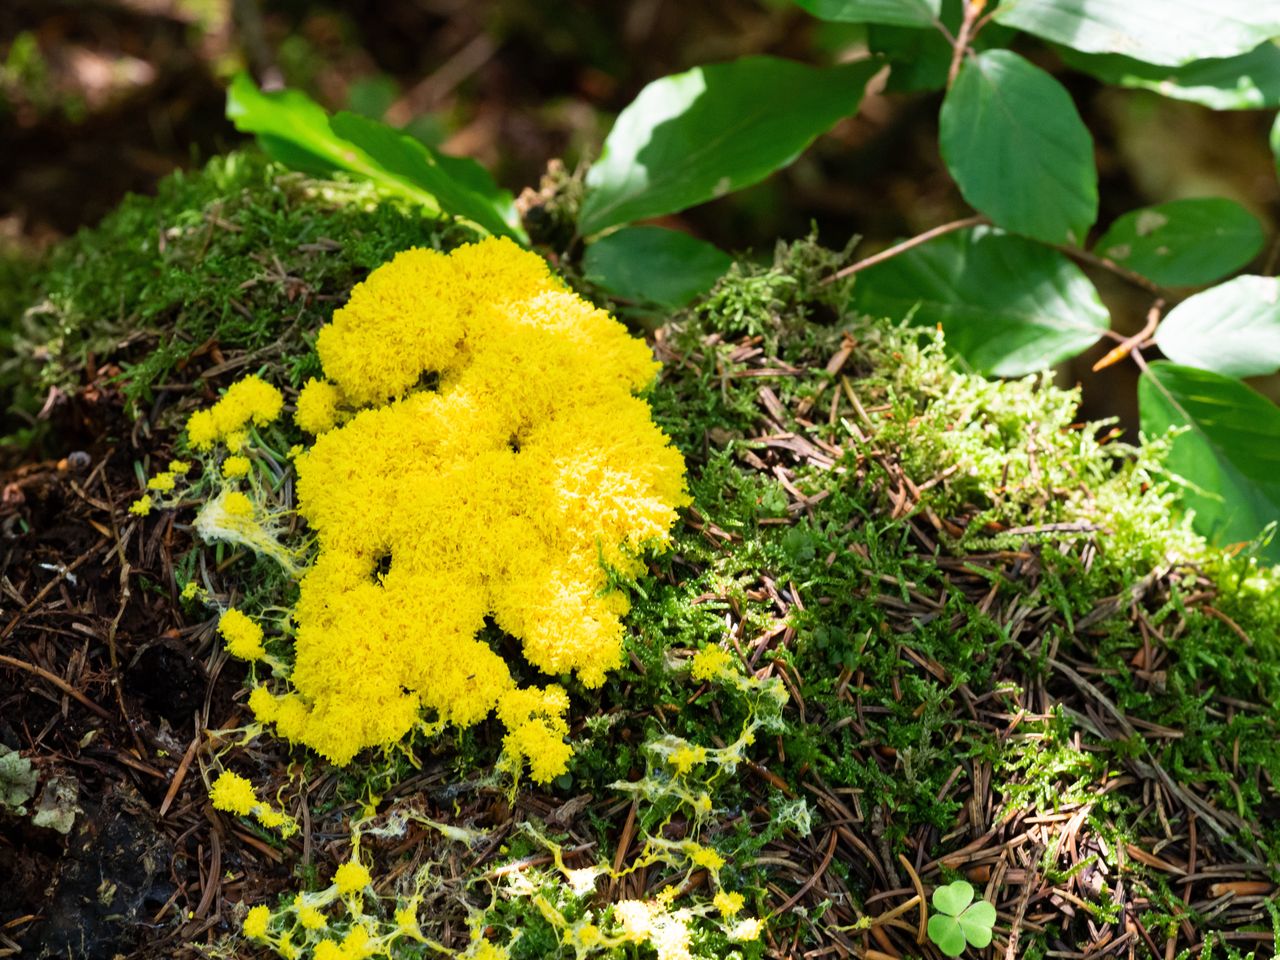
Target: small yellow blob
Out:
[255,924]
[351,877]
[233,793]
[710,662]
[162,482]
[704,857]
[317,409]
[243,637]
[727,903]
[248,401]
[235,466]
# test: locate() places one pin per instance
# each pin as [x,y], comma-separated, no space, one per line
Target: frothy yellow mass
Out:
[481,453]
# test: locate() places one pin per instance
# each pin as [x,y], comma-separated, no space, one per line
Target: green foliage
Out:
[1232,329]
[959,920]
[906,13]
[1229,455]
[1167,34]
[1250,81]
[295,130]
[1018,150]
[1009,306]
[654,265]
[1020,154]
[1185,242]
[1011,458]
[698,135]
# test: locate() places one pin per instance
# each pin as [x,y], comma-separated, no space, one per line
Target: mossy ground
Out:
[1007,659]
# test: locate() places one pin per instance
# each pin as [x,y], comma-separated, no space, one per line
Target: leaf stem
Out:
[1132,346]
[972,10]
[1110,266]
[909,244]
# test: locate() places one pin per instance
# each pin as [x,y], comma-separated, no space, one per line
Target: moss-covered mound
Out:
[1005,658]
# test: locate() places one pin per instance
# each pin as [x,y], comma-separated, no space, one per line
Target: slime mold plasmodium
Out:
[480,452]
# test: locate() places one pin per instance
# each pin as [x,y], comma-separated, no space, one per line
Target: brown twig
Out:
[1102,263]
[972,10]
[1136,342]
[904,246]
[57,681]
[180,774]
[817,875]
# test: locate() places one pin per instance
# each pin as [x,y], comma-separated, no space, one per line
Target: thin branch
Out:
[1135,342]
[942,27]
[972,10]
[904,246]
[1110,266]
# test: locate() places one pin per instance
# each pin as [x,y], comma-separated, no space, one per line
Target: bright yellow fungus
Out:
[309,916]
[318,402]
[162,482]
[352,876]
[493,454]
[235,466]
[255,923]
[248,401]
[729,904]
[233,793]
[243,637]
[710,662]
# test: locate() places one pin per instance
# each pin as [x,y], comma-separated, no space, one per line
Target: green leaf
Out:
[1230,456]
[1275,142]
[651,264]
[953,898]
[1250,81]
[1169,34]
[960,919]
[698,135]
[1232,329]
[977,922]
[920,59]
[295,130]
[904,13]
[946,934]
[292,128]
[1008,306]
[460,185]
[1018,150]
[1185,242]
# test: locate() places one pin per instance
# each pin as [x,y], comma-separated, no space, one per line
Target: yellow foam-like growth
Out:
[491,454]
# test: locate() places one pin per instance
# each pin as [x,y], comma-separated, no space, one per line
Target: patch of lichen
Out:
[239,255]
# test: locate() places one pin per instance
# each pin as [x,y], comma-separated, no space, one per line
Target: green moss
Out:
[891,641]
[240,256]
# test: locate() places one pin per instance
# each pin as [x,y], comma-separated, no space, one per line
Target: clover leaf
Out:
[959,920]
